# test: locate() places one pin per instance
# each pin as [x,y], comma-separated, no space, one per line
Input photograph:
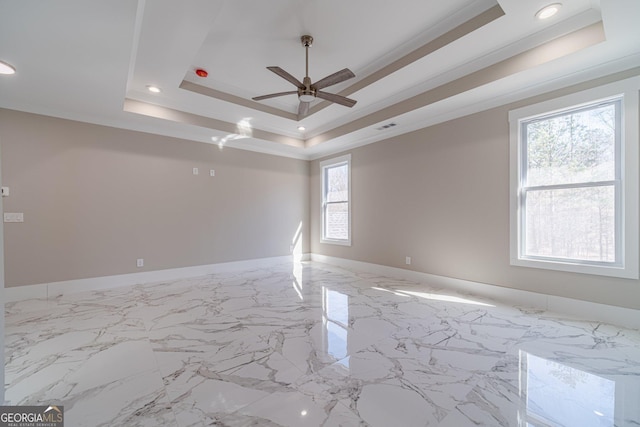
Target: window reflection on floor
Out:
[296,279]
[335,320]
[560,395]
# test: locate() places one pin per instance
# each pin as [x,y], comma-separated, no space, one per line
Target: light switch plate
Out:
[195,171]
[5,191]
[14,217]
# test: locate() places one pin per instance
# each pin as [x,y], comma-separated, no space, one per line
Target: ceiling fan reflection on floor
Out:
[307,91]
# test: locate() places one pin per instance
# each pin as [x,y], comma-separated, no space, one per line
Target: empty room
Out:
[320,213]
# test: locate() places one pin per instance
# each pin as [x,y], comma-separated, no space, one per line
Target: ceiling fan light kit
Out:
[6,68]
[306,90]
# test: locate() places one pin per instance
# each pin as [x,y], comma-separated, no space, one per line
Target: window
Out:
[574,183]
[336,196]
[570,184]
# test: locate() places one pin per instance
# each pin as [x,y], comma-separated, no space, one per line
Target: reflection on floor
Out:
[314,345]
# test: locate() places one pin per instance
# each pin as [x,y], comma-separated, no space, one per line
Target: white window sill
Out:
[574,267]
[336,242]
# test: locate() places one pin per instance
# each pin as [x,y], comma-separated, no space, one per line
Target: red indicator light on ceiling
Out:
[202,73]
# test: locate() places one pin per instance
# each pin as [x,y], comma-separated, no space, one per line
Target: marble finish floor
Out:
[315,345]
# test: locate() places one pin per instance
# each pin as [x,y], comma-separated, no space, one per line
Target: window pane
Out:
[337,221]
[577,223]
[338,183]
[572,148]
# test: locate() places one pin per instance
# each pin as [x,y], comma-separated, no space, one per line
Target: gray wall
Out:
[441,196]
[97,198]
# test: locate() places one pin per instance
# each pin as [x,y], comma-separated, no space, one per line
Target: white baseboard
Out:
[586,310]
[54,289]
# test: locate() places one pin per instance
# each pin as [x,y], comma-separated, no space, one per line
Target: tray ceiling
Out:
[416,62]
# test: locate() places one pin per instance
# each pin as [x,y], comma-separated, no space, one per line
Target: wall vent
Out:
[387,126]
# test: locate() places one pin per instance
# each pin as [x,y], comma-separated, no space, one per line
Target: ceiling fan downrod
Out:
[307,94]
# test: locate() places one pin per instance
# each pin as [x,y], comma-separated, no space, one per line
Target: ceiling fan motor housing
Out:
[306,93]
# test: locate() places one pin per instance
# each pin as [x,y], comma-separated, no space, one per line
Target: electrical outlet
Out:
[407,260]
[140,262]
[212,172]
[195,171]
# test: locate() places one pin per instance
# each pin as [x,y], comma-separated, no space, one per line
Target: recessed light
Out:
[6,68]
[301,128]
[548,11]
[154,89]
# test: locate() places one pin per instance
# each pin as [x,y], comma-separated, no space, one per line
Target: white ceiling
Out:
[92,61]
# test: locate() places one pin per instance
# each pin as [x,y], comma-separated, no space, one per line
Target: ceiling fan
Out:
[307,91]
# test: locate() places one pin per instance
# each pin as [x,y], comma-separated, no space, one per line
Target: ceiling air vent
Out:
[387,126]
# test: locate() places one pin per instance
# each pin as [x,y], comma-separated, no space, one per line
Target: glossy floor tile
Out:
[315,345]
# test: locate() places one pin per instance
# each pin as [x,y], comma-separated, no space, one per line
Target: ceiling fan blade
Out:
[273,95]
[288,77]
[338,99]
[303,109]
[334,78]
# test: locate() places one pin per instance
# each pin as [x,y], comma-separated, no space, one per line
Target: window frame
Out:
[626,191]
[325,165]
